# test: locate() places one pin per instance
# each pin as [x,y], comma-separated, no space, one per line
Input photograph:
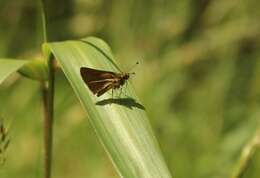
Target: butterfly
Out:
[101,81]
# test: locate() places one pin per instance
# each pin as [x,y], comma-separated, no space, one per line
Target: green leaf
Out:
[36,69]
[120,123]
[9,66]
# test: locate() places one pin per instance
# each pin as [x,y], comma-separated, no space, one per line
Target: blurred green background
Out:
[198,79]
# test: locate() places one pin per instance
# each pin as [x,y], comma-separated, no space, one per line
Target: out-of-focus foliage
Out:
[9,66]
[198,79]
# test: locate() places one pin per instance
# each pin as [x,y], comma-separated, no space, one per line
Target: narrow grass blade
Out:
[9,66]
[120,123]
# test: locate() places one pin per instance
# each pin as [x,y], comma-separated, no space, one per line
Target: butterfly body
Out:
[99,81]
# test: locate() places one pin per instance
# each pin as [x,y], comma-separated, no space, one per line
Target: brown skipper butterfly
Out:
[100,81]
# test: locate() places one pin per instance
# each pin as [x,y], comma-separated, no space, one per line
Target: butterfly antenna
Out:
[133,67]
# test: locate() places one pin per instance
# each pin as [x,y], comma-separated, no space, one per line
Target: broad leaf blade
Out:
[9,66]
[121,124]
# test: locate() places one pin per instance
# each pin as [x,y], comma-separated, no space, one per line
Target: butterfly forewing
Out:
[89,74]
[98,81]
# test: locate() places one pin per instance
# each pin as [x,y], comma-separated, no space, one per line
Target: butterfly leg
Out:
[120,92]
[124,89]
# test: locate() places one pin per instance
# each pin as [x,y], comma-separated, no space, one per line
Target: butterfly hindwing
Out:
[96,87]
[104,90]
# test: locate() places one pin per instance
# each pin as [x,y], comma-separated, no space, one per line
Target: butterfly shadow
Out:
[127,102]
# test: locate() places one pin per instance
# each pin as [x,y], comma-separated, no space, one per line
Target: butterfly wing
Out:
[104,90]
[98,81]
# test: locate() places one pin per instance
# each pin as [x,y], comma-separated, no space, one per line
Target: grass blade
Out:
[121,124]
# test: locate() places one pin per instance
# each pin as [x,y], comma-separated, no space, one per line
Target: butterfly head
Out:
[126,76]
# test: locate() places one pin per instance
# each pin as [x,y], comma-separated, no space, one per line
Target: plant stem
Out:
[246,155]
[43,19]
[48,100]
[48,122]
[44,99]
[48,130]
